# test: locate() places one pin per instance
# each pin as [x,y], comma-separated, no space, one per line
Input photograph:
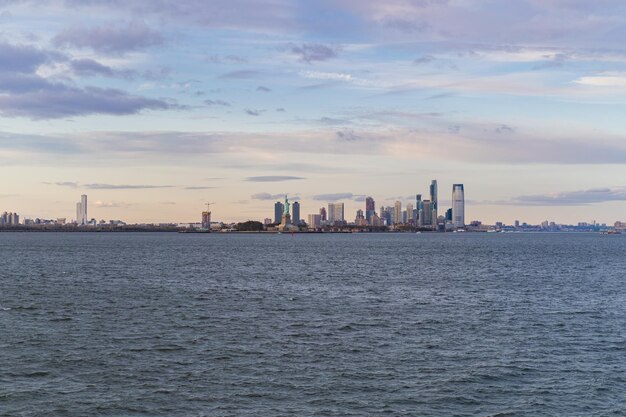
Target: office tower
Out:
[433,202]
[516,224]
[279,208]
[458,206]
[315,221]
[336,213]
[370,208]
[323,215]
[295,213]
[397,212]
[427,213]
[81,211]
[360,219]
[409,213]
[206,220]
[449,215]
[419,209]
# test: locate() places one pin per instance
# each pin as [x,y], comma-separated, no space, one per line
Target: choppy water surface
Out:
[213,325]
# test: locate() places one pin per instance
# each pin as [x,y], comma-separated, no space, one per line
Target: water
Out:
[330,325]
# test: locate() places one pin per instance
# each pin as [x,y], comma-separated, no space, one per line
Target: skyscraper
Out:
[409,213]
[323,215]
[295,213]
[419,208]
[370,208]
[433,202]
[335,213]
[81,211]
[279,208]
[397,212]
[458,206]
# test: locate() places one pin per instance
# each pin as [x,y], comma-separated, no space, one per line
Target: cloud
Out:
[333,197]
[572,198]
[72,184]
[90,68]
[254,112]
[45,100]
[109,204]
[273,178]
[26,93]
[225,59]
[426,59]
[266,196]
[312,52]
[217,103]
[281,110]
[199,188]
[240,75]
[111,39]
[263,89]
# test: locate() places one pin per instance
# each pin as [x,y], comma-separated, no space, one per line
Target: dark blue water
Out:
[330,325]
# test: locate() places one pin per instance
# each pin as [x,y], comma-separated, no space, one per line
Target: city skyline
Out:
[154,108]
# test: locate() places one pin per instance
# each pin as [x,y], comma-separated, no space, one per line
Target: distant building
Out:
[295,213]
[370,209]
[81,211]
[279,208]
[433,202]
[336,213]
[267,221]
[323,215]
[397,212]
[449,215]
[409,214]
[206,219]
[360,219]
[458,206]
[315,221]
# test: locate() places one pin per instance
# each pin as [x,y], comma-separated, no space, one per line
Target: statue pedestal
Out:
[285,224]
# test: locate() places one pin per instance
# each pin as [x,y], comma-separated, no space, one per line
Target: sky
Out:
[154,107]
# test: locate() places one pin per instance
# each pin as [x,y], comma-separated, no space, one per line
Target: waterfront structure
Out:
[458,206]
[81,211]
[279,208]
[336,213]
[295,209]
[370,209]
[397,212]
[315,221]
[267,221]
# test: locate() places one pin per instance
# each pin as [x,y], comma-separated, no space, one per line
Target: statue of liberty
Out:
[286,212]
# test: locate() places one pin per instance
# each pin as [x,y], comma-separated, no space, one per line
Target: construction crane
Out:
[208,206]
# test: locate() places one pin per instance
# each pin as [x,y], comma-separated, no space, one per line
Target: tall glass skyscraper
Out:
[279,208]
[370,208]
[458,206]
[295,213]
[433,202]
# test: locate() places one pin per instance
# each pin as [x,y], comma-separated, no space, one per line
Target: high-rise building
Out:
[360,219]
[409,213]
[279,208]
[295,213]
[323,215]
[206,220]
[370,208]
[458,206]
[433,202]
[397,212]
[336,213]
[315,221]
[449,215]
[81,211]
[427,213]
[419,211]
